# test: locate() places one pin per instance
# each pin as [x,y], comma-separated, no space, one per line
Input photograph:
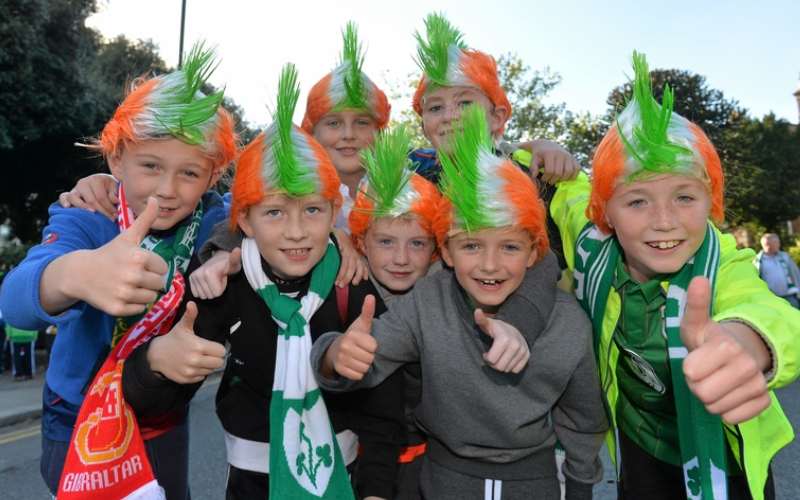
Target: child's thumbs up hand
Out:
[120,278]
[509,351]
[209,280]
[351,354]
[183,357]
[725,361]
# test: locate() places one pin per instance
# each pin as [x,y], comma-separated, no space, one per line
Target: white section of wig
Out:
[303,152]
[678,132]
[146,125]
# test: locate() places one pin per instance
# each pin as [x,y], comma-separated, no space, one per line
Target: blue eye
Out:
[385,242]
[417,244]
[465,103]
[434,109]
[274,213]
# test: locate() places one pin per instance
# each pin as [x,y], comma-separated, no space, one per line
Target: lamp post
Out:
[183,23]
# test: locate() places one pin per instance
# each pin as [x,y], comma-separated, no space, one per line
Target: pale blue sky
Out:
[749,50]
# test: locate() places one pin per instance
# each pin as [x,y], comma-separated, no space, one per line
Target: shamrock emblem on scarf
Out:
[694,480]
[309,465]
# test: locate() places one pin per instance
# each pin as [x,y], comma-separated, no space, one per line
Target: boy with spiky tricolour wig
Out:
[284,438]
[689,341]
[111,286]
[454,76]
[494,401]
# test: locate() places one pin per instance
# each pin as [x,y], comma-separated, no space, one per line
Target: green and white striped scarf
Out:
[305,461]
[702,440]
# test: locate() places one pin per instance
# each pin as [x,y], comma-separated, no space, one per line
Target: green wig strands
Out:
[291,177]
[389,170]
[355,89]
[653,149]
[461,174]
[432,55]
[183,112]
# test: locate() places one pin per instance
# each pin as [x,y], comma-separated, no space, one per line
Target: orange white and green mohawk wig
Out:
[283,159]
[347,87]
[172,106]
[484,191]
[391,188]
[446,61]
[649,140]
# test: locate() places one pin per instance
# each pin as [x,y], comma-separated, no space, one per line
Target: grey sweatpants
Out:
[441,483]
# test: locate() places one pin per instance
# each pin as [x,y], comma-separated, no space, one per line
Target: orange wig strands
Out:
[446,61]
[347,87]
[392,189]
[283,159]
[649,140]
[172,106]
[483,191]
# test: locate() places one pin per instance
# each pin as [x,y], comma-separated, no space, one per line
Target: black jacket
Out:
[245,391]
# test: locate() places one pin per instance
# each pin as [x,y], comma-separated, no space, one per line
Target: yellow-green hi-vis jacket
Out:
[740,294]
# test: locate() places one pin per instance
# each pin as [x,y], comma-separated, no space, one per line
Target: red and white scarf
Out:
[107,459]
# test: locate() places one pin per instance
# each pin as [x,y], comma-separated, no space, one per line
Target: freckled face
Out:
[175,173]
[343,135]
[291,233]
[444,105]
[490,264]
[398,251]
[660,223]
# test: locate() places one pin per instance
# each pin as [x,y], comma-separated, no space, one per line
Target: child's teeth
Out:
[667,244]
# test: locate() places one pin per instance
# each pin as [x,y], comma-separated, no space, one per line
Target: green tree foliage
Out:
[400,92]
[761,168]
[694,100]
[11,255]
[119,61]
[532,118]
[59,85]
[45,53]
[48,100]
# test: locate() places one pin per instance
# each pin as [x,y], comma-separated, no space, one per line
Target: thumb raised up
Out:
[141,226]
[483,322]
[234,262]
[364,320]
[183,357]
[187,320]
[352,354]
[696,320]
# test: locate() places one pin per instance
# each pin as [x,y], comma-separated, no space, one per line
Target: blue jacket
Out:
[84,333]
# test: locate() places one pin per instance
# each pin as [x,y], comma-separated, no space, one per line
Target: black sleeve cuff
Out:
[578,491]
[149,393]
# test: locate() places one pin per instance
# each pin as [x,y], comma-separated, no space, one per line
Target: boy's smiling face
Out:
[175,173]
[398,250]
[443,106]
[660,223]
[291,233]
[490,264]
[343,134]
